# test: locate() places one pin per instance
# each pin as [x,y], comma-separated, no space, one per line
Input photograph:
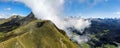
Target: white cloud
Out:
[119,46]
[95,2]
[3,15]
[116,13]
[13,14]
[16,14]
[7,9]
[51,10]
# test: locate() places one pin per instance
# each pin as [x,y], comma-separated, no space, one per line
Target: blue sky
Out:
[83,8]
[94,8]
[9,8]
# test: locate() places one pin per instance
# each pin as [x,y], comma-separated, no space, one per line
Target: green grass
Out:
[32,36]
[109,46]
[3,21]
[85,45]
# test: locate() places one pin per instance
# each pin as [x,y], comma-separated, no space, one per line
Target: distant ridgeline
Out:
[29,32]
[104,33]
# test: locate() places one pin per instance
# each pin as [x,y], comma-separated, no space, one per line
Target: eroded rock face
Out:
[28,19]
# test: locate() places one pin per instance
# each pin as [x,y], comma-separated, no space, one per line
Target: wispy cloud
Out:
[16,14]
[116,13]
[8,1]
[3,15]
[4,0]
[92,2]
[7,9]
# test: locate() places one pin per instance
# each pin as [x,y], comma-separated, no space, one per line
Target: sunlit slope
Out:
[3,20]
[37,34]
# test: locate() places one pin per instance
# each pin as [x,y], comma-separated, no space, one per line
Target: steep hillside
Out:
[15,17]
[36,34]
[15,21]
[27,19]
[2,20]
[10,23]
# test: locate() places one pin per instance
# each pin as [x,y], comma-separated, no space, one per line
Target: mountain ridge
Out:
[36,34]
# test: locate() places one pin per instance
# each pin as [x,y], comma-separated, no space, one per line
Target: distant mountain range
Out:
[104,33]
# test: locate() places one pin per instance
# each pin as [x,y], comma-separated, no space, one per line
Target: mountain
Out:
[104,33]
[15,21]
[29,32]
[27,19]
[10,23]
[2,20]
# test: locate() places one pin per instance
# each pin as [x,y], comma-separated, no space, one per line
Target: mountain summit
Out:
[27,19]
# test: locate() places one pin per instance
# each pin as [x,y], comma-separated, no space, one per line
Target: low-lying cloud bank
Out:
[51,10]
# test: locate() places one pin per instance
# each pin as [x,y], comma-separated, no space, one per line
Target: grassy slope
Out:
[45,35]
[3,21]
[9,19]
